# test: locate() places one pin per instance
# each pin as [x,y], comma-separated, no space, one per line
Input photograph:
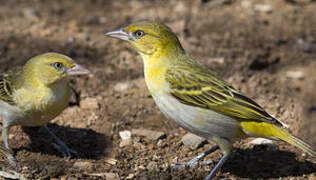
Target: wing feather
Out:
[196,86]
[7,87]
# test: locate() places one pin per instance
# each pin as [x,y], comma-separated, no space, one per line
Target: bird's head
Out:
[50,68]
[149,38]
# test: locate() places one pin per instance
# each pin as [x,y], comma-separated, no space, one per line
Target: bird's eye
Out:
[58,65]
[139,33]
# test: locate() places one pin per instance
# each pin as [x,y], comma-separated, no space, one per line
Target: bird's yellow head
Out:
[149,38]
[50,68]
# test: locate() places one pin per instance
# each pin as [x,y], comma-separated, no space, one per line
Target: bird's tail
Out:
[272,131]
[289,138]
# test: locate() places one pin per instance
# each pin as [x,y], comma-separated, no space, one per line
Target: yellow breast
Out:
[43,104]
[155,70]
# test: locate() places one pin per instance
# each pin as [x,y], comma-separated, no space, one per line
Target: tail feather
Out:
[268,130]
[289,138]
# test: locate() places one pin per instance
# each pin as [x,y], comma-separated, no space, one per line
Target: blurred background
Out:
[265,48]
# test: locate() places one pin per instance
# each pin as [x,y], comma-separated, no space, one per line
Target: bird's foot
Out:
[13,161]
[60,145]
[64,149]
[192,163]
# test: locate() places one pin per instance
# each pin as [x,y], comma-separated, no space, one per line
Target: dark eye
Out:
[58,65]
[139,33]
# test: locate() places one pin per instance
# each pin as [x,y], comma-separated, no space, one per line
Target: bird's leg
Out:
[192,162]
[6,152]
[60,146]
[226,146]
[217,167]
[5,131]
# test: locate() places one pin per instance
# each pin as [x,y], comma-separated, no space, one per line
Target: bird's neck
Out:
[155,67]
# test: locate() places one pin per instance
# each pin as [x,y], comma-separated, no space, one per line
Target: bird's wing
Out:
[196,86]
[7,87]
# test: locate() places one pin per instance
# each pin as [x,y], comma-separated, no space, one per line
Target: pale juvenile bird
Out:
[197,99]
[37,93]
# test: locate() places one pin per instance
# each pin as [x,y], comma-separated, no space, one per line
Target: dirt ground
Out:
[267,49]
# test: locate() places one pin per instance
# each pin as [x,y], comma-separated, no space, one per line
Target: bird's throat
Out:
[155,69]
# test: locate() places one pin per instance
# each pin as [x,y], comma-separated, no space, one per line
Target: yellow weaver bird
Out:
[197,99]
[36,94]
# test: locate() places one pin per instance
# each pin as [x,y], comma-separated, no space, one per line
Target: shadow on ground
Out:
[88,143]
[264,163]
[254,163]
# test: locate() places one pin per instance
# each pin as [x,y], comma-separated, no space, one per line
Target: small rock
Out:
[111,176]
[219,60]
[83,165]
[265,8]
[139,146]
[111,161]
[263,141]
[122,86]
[161,143]
[125,134]
[125,142]
[89,103]
[152,165]
[295,74]
[149,134]
[130,176]
[193,141]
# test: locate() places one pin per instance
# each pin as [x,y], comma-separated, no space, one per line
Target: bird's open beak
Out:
[77,70]
[120,34]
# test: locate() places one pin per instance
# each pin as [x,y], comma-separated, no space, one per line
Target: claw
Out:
[191,163]
[63,148]
[194,161]
[13,161]
[60,145]
[206,162]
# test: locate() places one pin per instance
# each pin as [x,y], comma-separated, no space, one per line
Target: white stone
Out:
[125,134]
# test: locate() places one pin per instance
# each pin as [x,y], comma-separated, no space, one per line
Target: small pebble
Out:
[149,134]
[125,142]
[83,165]
[193,141]
[89,103]
[125,134]
[122,86]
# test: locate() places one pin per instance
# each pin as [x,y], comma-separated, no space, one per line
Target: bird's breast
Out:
[41,106]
